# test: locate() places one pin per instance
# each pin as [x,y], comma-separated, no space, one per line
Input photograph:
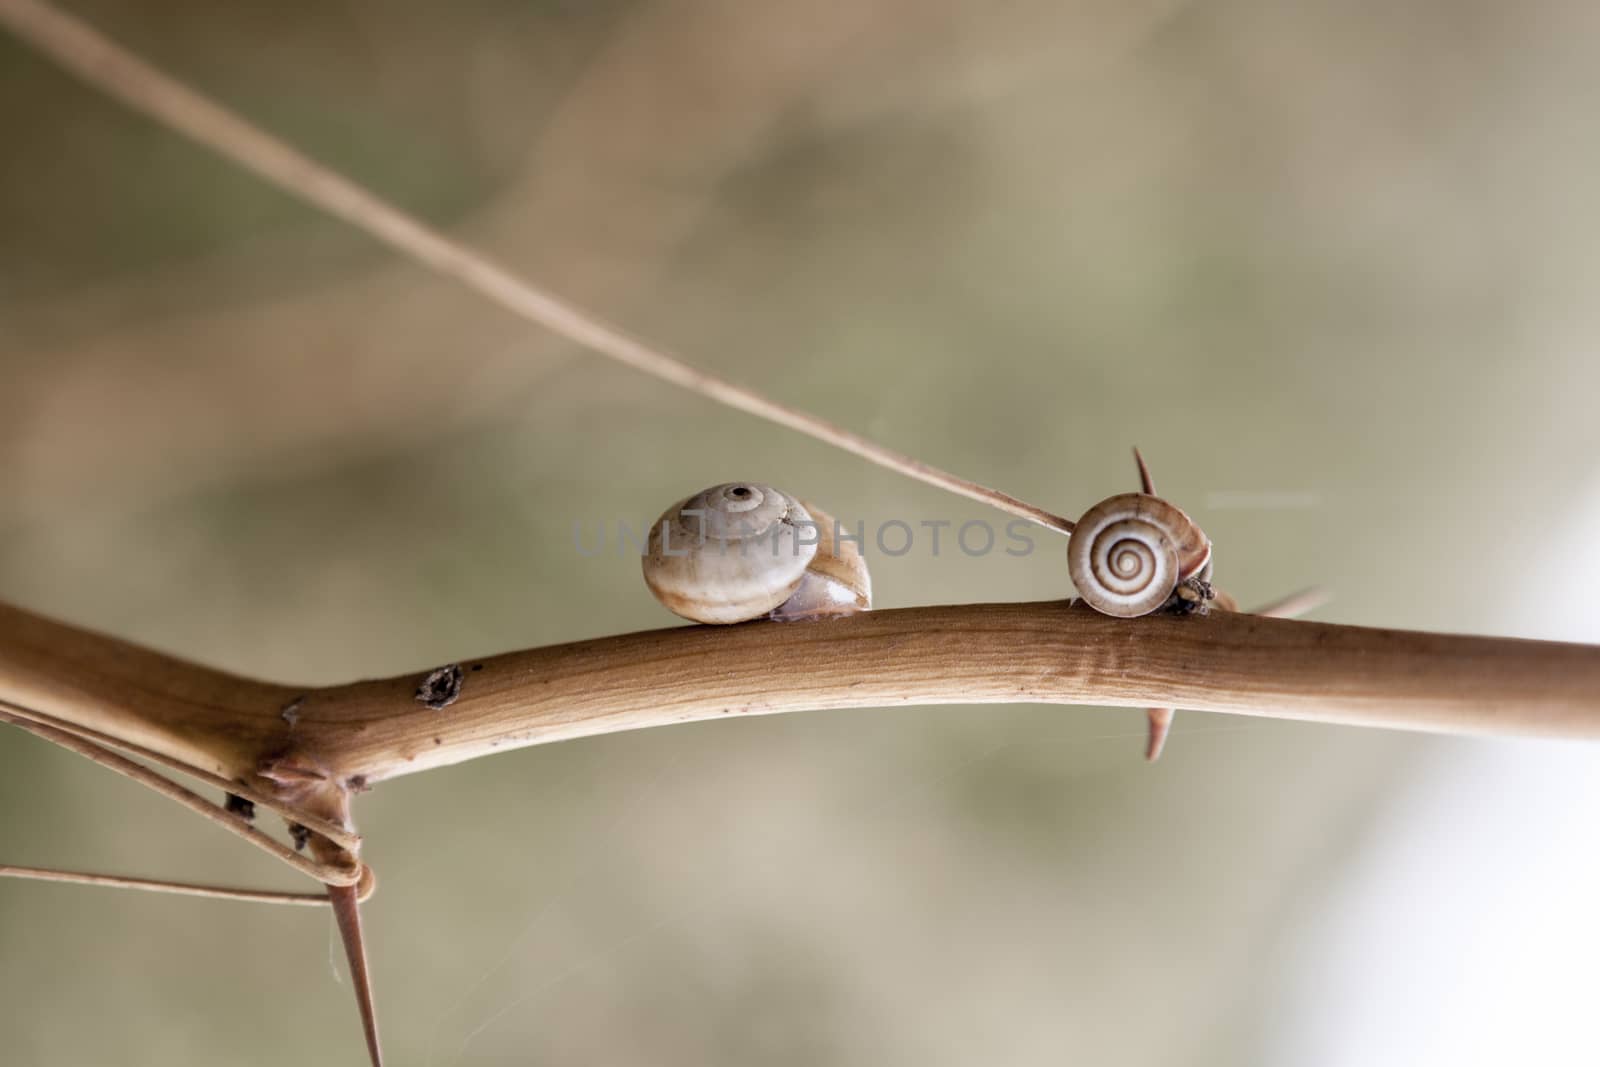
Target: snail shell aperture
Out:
[1129,552]
[743,550]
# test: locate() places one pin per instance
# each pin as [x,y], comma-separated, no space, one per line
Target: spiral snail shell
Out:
[1129,553]
[744,550]
[1132,554]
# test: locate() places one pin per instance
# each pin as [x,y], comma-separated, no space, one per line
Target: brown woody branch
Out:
[1048,652]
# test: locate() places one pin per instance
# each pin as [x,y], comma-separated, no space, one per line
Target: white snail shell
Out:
[1129,552]
[743,550]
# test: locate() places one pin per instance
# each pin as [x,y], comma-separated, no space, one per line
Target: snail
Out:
[743,550]
[1133,554]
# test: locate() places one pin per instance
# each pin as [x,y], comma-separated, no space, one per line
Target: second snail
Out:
[744,550]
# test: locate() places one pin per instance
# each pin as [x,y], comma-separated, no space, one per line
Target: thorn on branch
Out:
[441,687]
[291,711]
[291,772]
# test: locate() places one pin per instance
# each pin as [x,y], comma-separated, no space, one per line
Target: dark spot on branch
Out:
[357,784]
[441,687]
[238,805]
[301,836]
[477,666]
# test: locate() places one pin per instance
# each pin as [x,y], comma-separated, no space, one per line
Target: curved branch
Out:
[1046,652]
[189,716]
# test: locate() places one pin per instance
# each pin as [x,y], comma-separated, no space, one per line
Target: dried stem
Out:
[328,873]
[121,74]
[1045,652]
[1288,607]
[154,885]
[102,747]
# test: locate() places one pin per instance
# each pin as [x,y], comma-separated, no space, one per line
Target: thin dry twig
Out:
[340,835]
[121,74]
[328,874]
[156,885]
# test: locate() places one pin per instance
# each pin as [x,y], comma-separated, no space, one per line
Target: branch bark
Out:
[1047,652]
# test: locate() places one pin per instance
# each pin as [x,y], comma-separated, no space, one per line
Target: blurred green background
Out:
[1330,264]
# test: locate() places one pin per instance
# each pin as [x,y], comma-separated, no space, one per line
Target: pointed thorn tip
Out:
[1160,726]
[1147,484]
[346,901]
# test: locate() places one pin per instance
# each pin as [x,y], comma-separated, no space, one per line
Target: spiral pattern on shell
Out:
[1129,552]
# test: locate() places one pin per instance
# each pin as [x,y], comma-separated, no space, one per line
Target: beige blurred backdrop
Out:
[1331,265]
